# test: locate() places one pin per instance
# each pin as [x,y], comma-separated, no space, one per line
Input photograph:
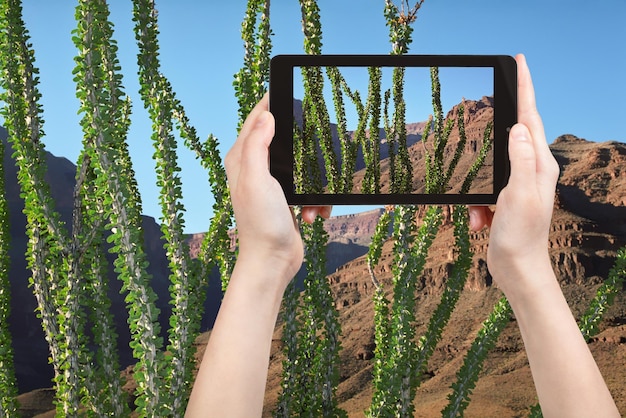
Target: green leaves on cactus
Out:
[104,122]
[251,81]
[394,366]
[467,376]
[186,291]
[398,360]
[46,233]
[69,274]
[604,296]
[8,382]
[312,330]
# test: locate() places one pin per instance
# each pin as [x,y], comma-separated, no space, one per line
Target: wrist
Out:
[524,281]
[265,273]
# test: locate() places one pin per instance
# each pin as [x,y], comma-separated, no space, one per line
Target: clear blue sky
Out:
[456,84]
[575,50]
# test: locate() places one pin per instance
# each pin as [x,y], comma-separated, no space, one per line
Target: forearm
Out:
[232,376]
[566,376]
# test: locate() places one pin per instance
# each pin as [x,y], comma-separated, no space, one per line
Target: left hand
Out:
[267,229]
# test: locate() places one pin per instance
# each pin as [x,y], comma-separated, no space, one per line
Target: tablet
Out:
[348,132]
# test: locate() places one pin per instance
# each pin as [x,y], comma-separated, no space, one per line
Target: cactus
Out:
[472,365]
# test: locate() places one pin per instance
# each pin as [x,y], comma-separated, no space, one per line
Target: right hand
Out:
[519,227]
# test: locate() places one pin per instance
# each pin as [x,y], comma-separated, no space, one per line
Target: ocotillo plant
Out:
[605,296]
[251,81]
[99,91]
[185,288]
[68,269]
[398,363]
[45,231]
[312,335]
[472,365]
[410,251]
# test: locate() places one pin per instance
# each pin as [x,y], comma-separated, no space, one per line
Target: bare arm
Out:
[567,379]
[232,377]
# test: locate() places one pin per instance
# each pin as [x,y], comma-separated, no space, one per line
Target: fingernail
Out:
[518,134]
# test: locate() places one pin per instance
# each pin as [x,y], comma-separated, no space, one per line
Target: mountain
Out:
[477,114]
[588,227]
[414,135]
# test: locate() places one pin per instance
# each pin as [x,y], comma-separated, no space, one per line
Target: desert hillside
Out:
[589,225]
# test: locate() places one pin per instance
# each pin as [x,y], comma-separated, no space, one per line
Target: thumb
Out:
[523,158]
[255,152]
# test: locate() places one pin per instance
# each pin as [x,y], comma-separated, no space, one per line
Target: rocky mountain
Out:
[477,114]
[349,237]
[588,227]
[414,135]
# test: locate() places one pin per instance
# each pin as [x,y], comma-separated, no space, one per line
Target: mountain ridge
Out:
[589,224]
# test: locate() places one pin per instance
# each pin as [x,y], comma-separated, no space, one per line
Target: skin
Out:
[567,379]
[232,377]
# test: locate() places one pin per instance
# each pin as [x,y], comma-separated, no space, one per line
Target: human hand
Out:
[519,227]
[267,230]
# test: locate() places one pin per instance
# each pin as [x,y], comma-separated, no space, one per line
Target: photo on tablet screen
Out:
[465,92]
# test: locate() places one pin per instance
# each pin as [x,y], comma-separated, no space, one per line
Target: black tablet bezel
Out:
[281,106]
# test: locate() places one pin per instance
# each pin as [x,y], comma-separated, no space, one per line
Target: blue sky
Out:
[575,50]
[456,84]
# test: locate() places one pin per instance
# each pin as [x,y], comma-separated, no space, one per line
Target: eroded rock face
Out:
[587,229]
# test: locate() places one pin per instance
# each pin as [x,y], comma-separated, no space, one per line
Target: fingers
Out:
[479,217]
[523,160]
[248,125]
[526,105]
[255,152]
[309,213]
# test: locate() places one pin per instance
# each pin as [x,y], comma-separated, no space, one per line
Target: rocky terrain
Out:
[589,225]
[414,135]
[477,114]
